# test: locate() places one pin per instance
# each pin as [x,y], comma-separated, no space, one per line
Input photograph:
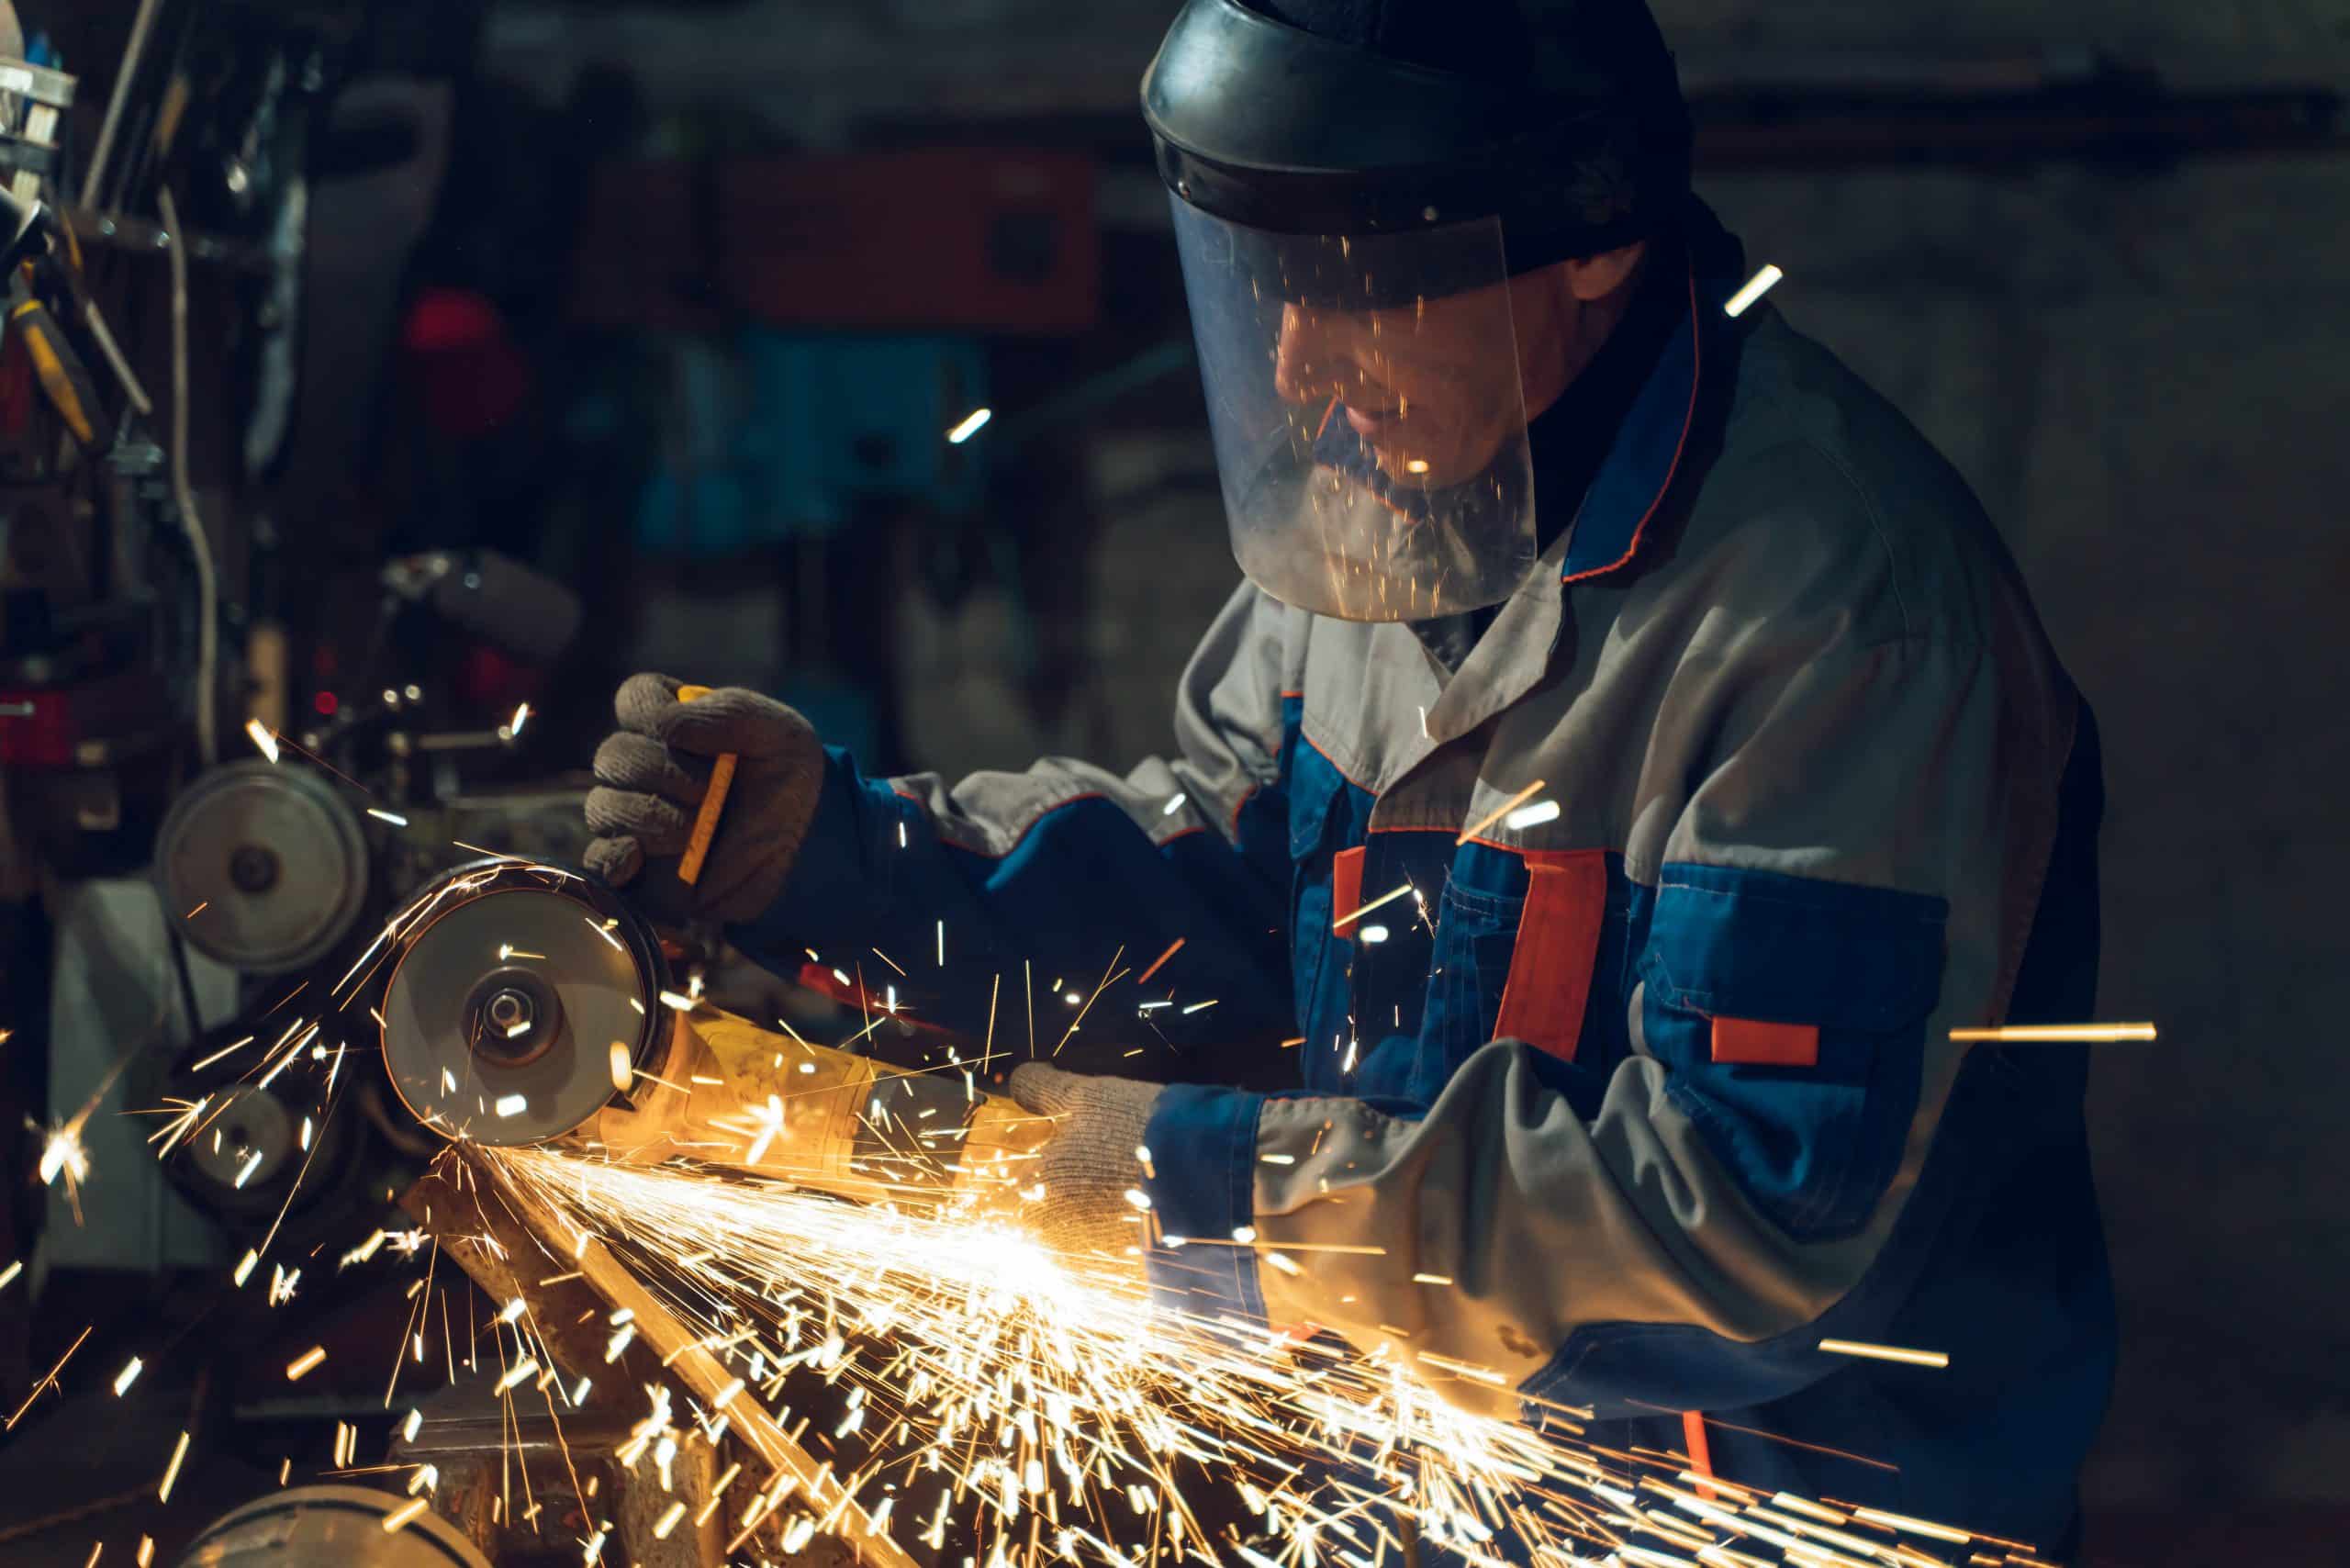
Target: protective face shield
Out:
[1340,213]
[1370,428]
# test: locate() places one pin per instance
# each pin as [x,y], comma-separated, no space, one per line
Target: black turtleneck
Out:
[1568,440]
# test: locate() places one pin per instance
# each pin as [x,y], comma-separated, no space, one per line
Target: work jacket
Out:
[1641,1096]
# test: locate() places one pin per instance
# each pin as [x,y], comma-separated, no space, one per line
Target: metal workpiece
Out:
[580,1485]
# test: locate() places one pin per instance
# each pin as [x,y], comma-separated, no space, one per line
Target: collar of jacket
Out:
[1639,467]
[1509,658]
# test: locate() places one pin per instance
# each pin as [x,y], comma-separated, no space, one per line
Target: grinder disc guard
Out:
[503,1010]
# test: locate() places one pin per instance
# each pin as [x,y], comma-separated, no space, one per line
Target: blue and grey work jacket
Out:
[1640,1103]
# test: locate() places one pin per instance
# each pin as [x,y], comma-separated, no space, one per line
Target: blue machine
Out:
[774,439]
[778,436]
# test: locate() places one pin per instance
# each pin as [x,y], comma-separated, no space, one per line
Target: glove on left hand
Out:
[1090,1163]
[651,776]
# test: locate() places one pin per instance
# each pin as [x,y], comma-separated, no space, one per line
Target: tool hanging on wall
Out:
[71,394]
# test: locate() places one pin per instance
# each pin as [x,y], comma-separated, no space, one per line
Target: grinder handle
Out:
[713,802]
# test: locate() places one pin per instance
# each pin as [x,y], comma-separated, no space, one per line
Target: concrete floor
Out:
[83,1475]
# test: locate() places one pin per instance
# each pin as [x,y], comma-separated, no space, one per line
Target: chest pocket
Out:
[1519,964]
[1791,1014]
[1475,934]
[1322,826]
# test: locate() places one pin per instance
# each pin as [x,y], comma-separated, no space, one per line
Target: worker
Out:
[1631,756]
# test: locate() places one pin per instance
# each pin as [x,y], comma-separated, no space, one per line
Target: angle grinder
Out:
[528,1003]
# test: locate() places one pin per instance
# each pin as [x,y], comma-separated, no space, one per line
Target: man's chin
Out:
[1419,470]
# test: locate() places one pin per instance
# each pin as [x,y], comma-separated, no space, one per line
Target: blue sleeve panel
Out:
[1812,1146]
[1085,879]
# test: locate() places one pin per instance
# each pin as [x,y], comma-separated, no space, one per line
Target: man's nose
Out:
[1309,360]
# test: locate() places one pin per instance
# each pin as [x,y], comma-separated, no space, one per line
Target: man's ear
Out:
[1596,277]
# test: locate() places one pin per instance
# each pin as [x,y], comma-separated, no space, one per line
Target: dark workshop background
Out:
[672,298]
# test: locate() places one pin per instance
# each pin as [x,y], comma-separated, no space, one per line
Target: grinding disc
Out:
[270,860]
[502,1012]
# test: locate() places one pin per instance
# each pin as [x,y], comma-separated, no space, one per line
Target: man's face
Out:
[1432,390]
[1435,389]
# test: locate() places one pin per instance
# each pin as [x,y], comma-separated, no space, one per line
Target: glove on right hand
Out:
[1091,1162]
[651,776]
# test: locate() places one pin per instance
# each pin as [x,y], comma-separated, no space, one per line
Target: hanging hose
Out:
[208,593]
[132,53]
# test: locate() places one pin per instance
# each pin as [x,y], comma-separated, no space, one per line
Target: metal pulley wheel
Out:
[253,1140]
[309,1527]
[521,1000]
[272,862]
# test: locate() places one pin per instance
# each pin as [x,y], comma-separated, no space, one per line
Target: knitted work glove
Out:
[1090,1164]
[650,776]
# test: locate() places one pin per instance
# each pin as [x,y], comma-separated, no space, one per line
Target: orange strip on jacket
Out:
[1749,1042]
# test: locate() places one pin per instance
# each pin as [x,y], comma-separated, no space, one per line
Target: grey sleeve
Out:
[1229,739]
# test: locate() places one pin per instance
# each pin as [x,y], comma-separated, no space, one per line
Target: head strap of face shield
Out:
[1279,130]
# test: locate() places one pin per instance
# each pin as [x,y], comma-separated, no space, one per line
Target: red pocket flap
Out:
[1752,1043]
[1345,890]
[1558,942]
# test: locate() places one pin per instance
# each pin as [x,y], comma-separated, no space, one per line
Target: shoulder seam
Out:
[1868,509]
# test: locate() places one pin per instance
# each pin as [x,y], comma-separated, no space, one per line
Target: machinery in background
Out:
[810,449]
[86,707]
[828,367]
[204,904]
[34,96]
[103,611]
[284,872]
[124,612]
[181,900]
[273,860]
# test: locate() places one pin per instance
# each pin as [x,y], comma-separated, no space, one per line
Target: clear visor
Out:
[1369,427]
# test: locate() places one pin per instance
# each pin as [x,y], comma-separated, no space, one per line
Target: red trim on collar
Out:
[1688,421]
[1323,754]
